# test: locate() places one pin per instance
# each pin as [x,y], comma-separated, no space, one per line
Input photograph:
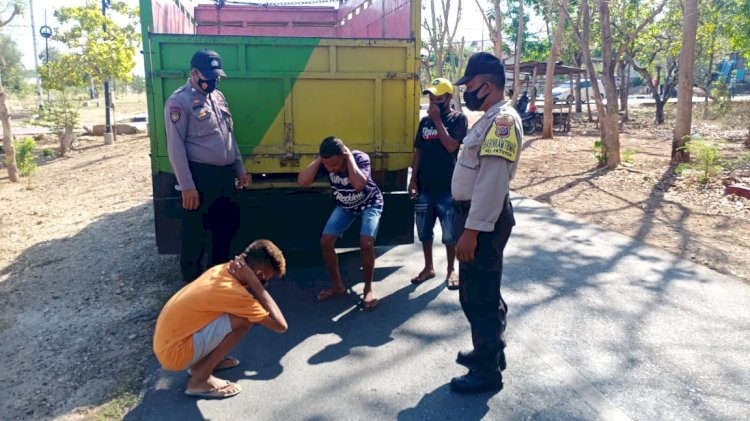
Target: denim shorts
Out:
[340,220]
[208,338]
[430,206]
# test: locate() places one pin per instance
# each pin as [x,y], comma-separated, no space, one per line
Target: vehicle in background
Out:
[563,92]
[295,75]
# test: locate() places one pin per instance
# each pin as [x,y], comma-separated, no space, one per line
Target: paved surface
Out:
[600,327]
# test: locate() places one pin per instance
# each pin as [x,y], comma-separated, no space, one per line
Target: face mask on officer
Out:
[209,85]
[206,85]
[473,102]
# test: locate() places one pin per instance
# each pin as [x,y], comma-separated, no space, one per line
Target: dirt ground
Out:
[644,199]
[81,282]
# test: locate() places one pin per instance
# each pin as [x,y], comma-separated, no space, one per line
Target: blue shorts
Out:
[429,207]
[340,220]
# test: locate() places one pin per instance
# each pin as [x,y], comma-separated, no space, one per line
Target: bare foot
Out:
[370,302]
[329,293]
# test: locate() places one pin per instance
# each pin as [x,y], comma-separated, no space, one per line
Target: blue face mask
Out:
[208,85]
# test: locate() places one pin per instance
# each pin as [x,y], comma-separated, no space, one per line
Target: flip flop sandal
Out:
[421,278]
[215,393]
[452,282]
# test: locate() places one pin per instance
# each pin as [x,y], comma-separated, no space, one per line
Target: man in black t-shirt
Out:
[436,145]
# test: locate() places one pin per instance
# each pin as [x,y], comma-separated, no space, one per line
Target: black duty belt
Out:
[462,206]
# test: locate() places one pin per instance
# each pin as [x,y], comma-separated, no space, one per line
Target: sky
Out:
[471,26]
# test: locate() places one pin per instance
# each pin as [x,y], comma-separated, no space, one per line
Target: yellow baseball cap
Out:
[439,87]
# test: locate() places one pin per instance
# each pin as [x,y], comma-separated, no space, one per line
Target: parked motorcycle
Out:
[531,121]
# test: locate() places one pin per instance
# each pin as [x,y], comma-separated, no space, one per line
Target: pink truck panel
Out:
[364,19]
[287,21]
[169,18]
[354,19]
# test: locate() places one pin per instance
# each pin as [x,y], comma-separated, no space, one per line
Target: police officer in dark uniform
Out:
[206,161]
[480,188]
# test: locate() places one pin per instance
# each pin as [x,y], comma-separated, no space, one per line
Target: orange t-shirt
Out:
[196,305]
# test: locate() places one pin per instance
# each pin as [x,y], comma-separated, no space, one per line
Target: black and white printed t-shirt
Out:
[346,196]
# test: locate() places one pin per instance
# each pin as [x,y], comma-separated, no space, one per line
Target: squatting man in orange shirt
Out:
[207,318]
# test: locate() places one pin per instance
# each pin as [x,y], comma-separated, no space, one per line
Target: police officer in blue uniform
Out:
[484,219]
[206,161]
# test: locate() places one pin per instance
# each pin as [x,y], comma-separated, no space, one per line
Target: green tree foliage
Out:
[706,159]
[655,55]
[94,52]
[25,156]
[62,116]
[11,68]
[532,48]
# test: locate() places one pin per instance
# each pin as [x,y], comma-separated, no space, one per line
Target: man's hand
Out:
[347,152]
[244,273]
[413,192]
[190,199]
[433,111]
[466,246]
[245,181]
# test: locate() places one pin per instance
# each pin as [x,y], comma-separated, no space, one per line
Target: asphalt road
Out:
[600,327]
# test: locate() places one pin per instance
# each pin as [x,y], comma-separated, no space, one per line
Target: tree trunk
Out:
[8,147]
[550,76]
[517,59]
[610,125]
[578,57]
[685,91]
[624,87]
[497,32]
[456,97]
[65,139]
[709,79]
[660,111]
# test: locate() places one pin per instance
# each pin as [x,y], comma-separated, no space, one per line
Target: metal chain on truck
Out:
[219,4]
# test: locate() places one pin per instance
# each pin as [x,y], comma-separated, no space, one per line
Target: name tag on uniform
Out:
[502,139]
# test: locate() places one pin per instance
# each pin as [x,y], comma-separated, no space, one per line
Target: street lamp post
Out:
[46,32]
[108,139]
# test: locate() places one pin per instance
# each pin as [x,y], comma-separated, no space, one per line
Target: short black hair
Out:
[498,80]
[331,146]
[265,252]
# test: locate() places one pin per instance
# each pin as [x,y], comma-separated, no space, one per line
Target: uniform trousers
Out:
[216,219]
[479,290]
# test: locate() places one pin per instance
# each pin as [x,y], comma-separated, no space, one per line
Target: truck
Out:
[295,75]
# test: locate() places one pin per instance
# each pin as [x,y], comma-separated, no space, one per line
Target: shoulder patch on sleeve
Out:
[175,113]
[502,139]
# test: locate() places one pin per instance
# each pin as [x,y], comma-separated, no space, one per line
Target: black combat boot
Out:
[470,359]
[476,381]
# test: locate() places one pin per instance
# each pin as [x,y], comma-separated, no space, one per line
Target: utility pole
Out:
[39,100]
[107,99]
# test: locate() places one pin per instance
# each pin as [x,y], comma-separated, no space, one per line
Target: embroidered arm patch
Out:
[502,139]
[175,113]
